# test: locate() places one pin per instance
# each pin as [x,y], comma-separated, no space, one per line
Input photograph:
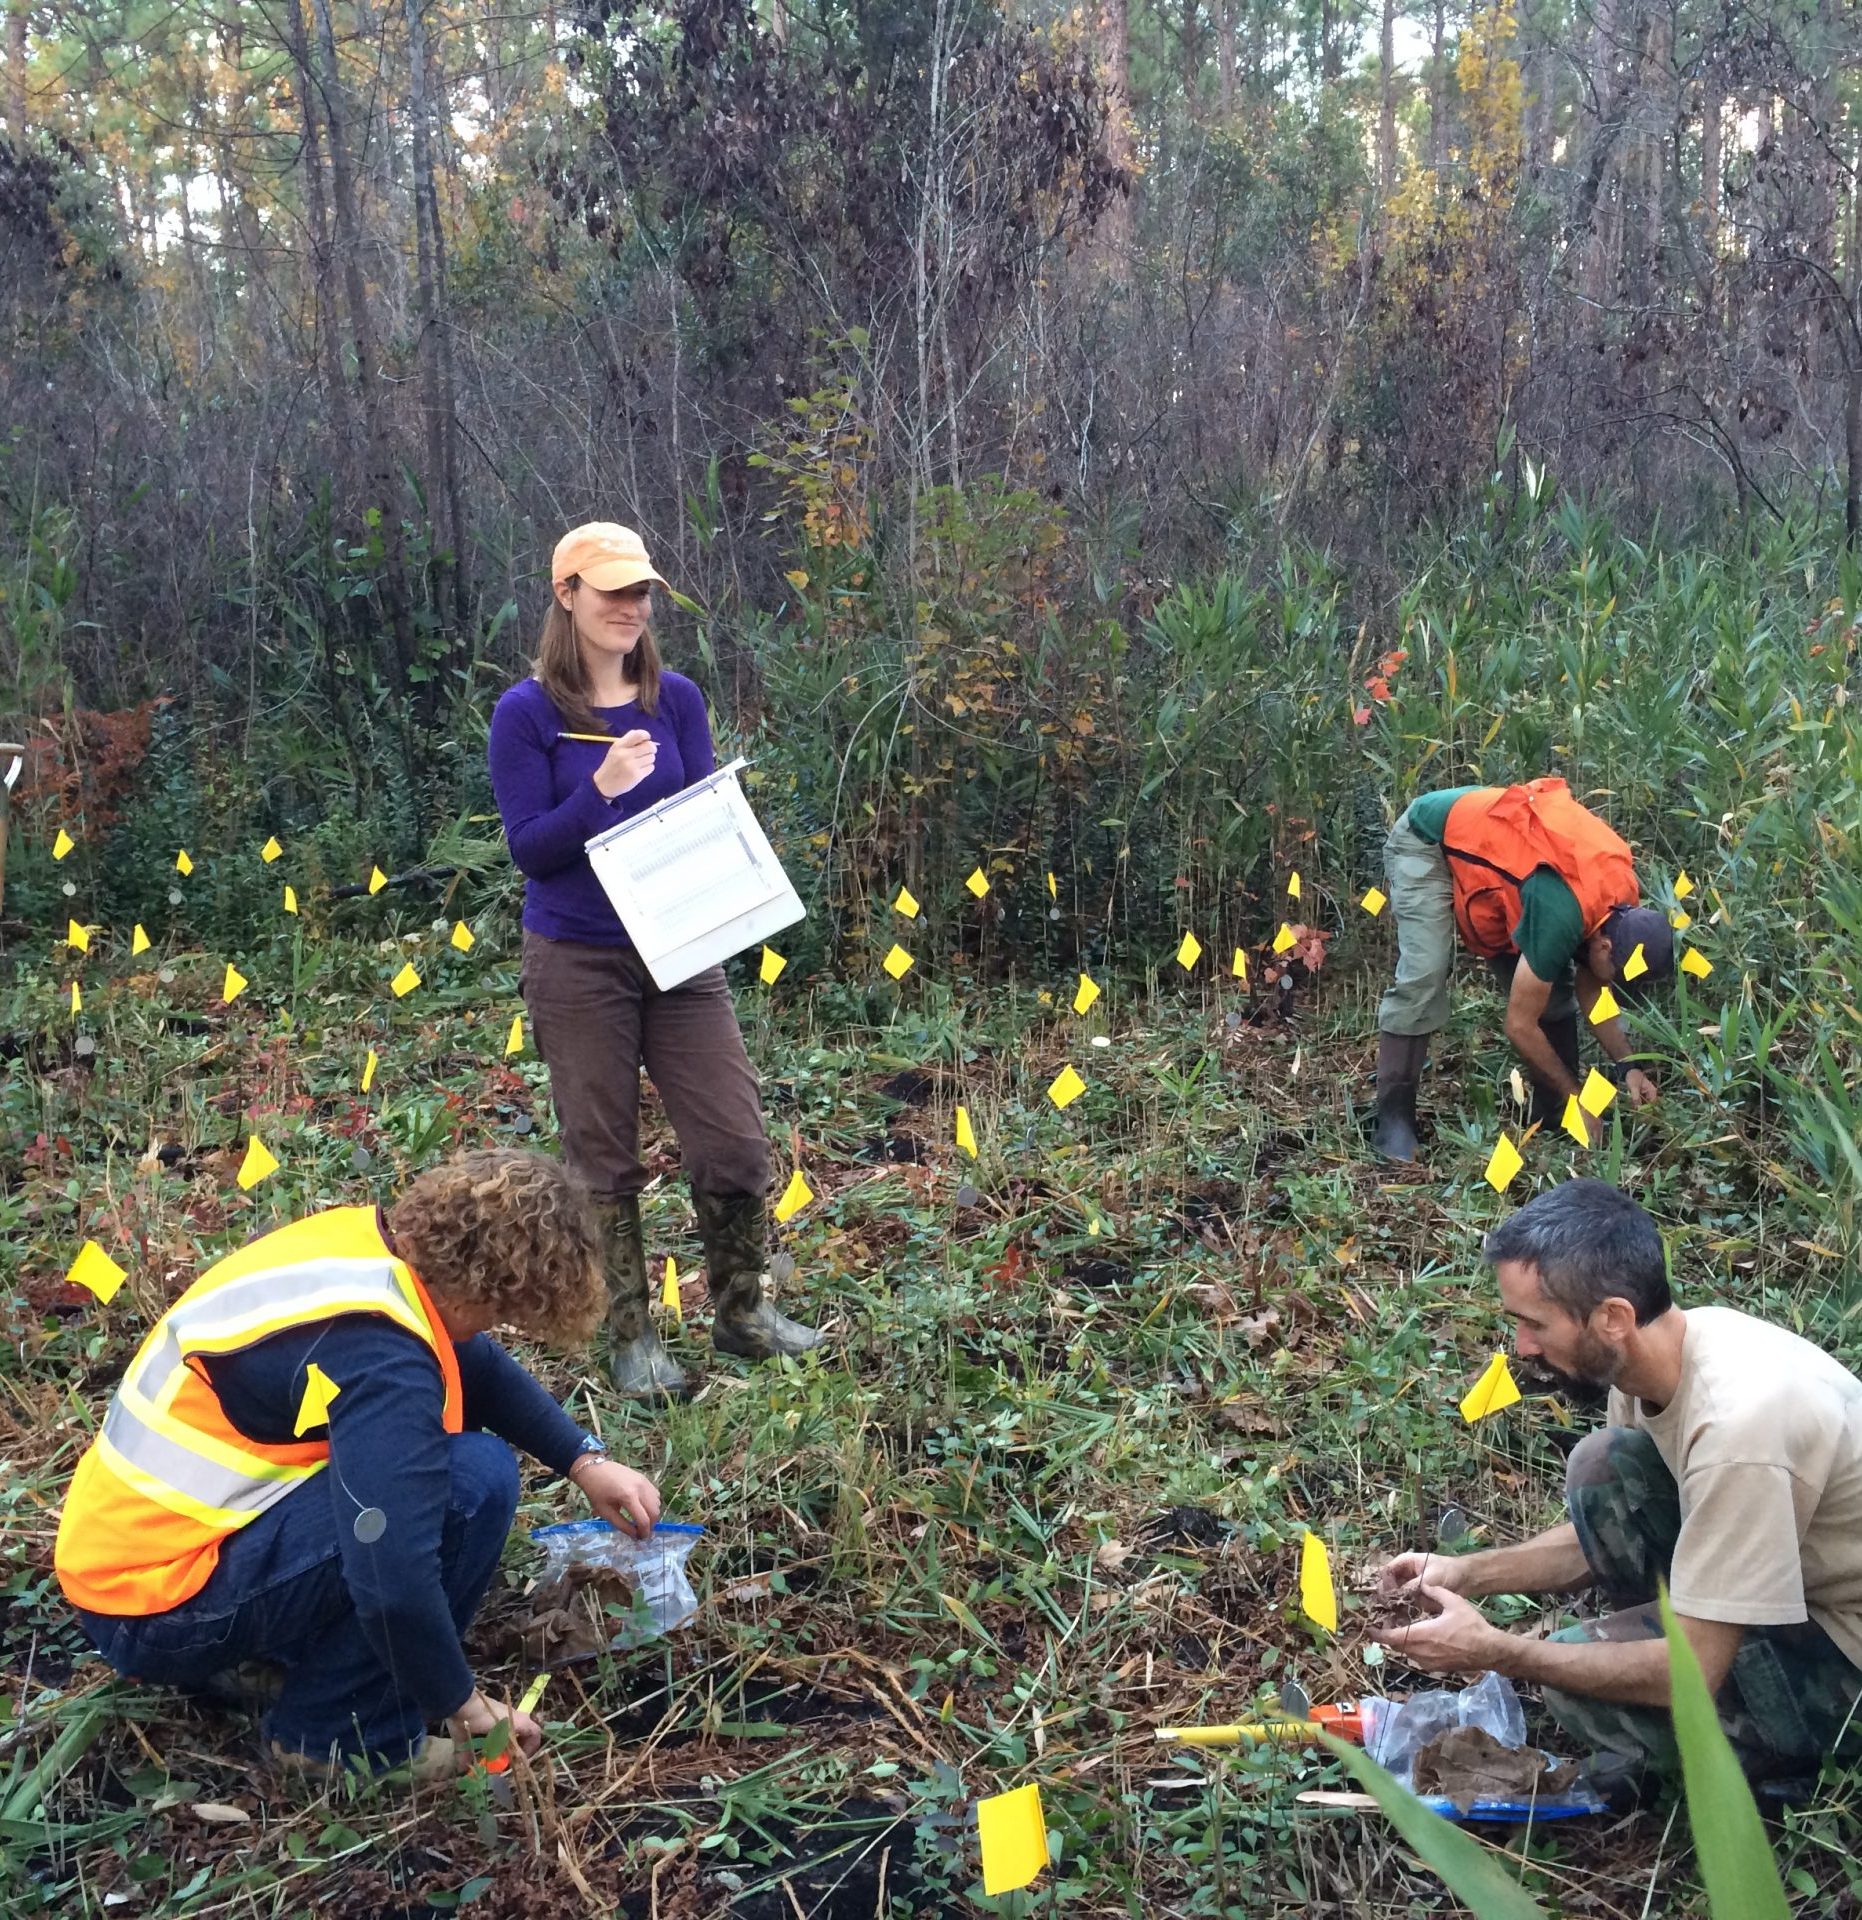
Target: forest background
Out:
[991,383]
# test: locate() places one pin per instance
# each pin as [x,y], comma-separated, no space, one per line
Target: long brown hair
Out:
[563,676]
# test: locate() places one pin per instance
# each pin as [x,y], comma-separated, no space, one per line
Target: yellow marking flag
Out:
[368,1070]
[290,899]
[62,845]
[978,883]
[1680,921]
[1503,1168]
[1013,1832]
[462,937]
[898,962]
[377,879]
[1636,965]
[771,969]
[1683,885]
[1605,1008]
[1087,993]
[77,999]
[1596,1093]
[1318,1597]
[1375,901]
[78,935]
[138,940]
[515,1042]
[314,1409]
[405,981]
[233,985]
[1067,1087]
[1496,1388]
[271,850]
[795,1196]
[906,903]
[259,1164]
[1053,888]
[1189,952]
[1240,968]
[1293,884]
[966,1134]
[183,864]
[95,1270]
[669,1290]
[1573,1122]
[1285,939]
[1696,963]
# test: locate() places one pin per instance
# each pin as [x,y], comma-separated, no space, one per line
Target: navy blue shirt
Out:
[389,1449]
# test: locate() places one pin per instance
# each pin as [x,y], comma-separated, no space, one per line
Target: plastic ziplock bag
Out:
[654,1568]
[1396,1731]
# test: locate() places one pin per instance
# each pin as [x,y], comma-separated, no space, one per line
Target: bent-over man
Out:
[1546,893]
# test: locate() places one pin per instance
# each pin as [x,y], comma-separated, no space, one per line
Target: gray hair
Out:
[1588,1242]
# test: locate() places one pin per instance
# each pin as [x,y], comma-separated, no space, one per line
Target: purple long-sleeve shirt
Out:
[551,806]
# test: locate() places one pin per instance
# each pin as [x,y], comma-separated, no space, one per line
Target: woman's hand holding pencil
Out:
[627,762]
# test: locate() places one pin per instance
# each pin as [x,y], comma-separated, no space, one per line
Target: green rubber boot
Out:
[1400,1058]
[735,1231]
[642,1368]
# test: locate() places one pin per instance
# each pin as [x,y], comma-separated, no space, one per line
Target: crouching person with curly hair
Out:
[309,1461]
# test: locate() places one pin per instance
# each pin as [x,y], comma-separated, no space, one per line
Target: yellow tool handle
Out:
[1249,1731]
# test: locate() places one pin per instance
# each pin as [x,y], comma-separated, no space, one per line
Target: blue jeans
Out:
[278,1594]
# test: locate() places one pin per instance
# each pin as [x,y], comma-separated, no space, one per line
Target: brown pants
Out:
[598,1019]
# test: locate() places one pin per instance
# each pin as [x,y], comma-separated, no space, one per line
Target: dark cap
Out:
[1626,929]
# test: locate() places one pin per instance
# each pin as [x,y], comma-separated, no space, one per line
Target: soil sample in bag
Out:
[1467,1764]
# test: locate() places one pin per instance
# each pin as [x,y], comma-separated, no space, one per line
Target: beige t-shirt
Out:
[1764,1439]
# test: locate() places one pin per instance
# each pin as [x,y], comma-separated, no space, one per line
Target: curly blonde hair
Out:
[510,1230]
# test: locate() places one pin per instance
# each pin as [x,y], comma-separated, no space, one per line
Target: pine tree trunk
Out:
[317,209]
[1115,76]
[1386,114]
[16,122]
[1712,116]
[382,489]
[1852,367]
[1225,53]
[1438,95]
[445,504]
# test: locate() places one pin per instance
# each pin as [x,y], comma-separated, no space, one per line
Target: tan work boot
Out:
[433,1763]
[734,1228]
[642,1368]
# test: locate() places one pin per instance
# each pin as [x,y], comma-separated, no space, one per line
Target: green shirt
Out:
[1551,924]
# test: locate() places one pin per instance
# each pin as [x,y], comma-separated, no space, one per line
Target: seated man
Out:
[307,1460]
[1731,1468]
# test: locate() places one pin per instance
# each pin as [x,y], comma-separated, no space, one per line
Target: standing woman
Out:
[597,1016]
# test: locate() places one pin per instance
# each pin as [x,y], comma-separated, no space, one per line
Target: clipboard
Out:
[694,879]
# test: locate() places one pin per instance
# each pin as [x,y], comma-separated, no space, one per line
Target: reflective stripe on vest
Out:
[169,1477]
[221,1481]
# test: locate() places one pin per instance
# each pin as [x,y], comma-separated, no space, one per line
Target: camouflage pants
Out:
[1791,1696]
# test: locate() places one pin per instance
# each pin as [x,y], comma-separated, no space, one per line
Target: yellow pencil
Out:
[599,739]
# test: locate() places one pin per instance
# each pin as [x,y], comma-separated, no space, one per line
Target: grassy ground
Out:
[1043,1495]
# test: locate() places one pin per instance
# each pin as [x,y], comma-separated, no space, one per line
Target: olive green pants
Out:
[1422,901]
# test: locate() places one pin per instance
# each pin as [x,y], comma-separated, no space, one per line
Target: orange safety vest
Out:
[1496,838]
[169,1477]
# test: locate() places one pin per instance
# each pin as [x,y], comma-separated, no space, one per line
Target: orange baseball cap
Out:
[605,555]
